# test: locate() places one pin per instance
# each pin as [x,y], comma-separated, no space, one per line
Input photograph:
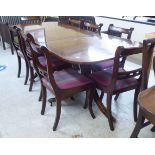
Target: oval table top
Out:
[75,45]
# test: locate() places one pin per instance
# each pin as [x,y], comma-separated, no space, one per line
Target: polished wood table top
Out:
[75,45]
[150,35]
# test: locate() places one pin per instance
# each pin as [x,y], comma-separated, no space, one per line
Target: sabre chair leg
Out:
[19,66]
[40,96]
[138,126]
[58,113]
[91,97]
[86,100]
[116,96]
[44,96]
[102,95]
[4,47]
[31,78]
[12,49]
[135,104]
[110,118]
[153,129]
[27,73]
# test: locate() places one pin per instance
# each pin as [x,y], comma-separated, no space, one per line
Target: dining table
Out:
[77,46]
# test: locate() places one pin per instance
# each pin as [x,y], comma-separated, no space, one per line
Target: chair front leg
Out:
[91,97]
[44,96]
[135,103]
[31,78]
[102,95]
[116,96]
[110,118]
[4,47]
[86,100]
[40,96]
[19,66]
[58,113]
[12,49]
[139,125]
[27,72]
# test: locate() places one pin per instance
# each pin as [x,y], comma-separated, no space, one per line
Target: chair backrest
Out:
[30,20]
[34,50]
[41,70]
[92,27]
[118,31]
[75,22]
[14,32]
[63,19]
[5,33]
[120,74]
[50,68]
[18,38]
[25,39]
[148,48]
[143,71]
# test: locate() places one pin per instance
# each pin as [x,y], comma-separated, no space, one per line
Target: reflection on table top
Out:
[150,35]
[76,45]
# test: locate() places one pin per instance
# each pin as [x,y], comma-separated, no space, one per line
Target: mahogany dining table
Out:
[77,46]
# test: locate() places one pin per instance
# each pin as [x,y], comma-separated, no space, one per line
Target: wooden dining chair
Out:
[92,27]
[17,43]
[30,20]
[75,22]
[119,31]
[58,64]
[117,80]
[63,19]
[64,83]
[115,31]
[146,100]
[6,36]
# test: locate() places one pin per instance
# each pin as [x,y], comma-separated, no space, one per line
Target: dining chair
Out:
[16,41]
[119,31]
[75,22]
[58,64]
[92,27]
[30,20]
[146,102]
[63,19]
[114,31]
[6,36]
[63,83]
[117,80]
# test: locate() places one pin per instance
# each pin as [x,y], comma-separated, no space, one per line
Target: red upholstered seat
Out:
[68,79]
[57,64]
[103,80]
[104,64]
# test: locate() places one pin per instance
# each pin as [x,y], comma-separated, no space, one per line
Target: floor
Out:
[20,110]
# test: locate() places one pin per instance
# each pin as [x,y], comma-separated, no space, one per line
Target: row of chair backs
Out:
[83,23]
[92,27]
[65,19]
[15,20]
[14,32]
